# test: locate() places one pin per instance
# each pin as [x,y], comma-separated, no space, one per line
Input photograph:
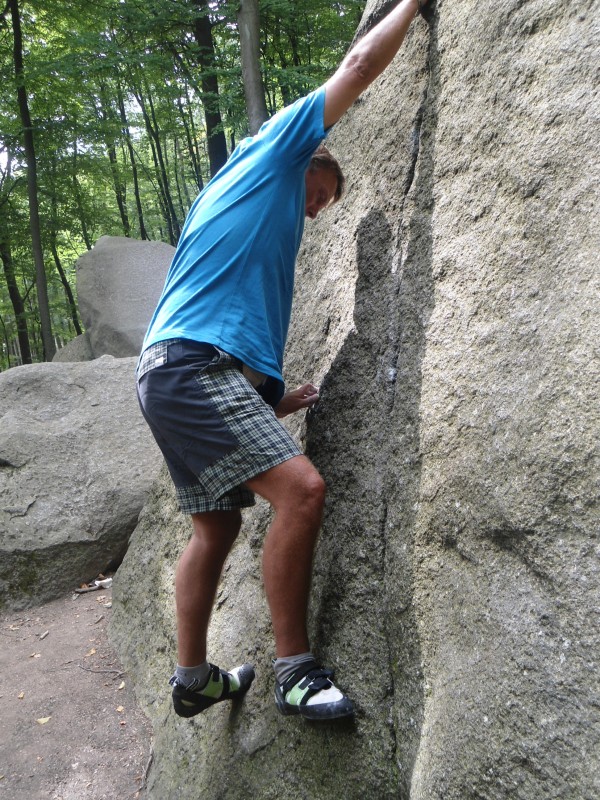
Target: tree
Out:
[119,114]
[215,137]
[32,184]
[249,29]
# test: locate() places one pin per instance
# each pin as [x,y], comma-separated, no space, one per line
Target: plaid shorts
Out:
[214,429]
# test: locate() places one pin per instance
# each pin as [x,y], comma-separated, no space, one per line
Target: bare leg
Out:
[197,578]
[297,493]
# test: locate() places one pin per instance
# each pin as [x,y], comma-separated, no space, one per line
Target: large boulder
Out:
[78,349]
[76,464]
[119,282]
[448,307]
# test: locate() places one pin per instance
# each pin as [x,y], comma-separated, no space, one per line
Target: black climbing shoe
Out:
[311,693]
[191,700]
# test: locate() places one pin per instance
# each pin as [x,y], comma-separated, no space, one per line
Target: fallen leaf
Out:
[43,720]
[91,653]
[122,685]
[21,696]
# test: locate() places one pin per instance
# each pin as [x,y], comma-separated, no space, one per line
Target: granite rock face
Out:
[76,463]
[448,308]
[119,282]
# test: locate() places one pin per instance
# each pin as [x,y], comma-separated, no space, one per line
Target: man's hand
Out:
[304,396]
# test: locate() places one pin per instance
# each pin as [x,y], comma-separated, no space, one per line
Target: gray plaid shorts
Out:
[214,429]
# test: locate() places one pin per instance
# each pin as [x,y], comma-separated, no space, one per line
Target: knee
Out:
[310,492]
[217,530]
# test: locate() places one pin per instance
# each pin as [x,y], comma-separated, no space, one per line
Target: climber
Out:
[210,385]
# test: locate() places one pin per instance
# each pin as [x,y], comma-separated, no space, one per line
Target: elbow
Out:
[361,68]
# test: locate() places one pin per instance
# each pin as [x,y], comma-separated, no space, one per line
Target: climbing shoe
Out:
[191,700]
[309,691]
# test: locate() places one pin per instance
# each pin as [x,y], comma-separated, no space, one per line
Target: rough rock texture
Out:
[448,307]
[76,464]
[119,282]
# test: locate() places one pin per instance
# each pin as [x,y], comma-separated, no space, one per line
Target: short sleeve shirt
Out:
[232,277]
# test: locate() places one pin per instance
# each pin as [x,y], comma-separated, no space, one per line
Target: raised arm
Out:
[368,59]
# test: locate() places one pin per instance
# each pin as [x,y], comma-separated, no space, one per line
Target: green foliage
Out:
[115,92]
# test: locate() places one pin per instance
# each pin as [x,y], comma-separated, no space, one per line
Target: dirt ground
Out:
[70,728]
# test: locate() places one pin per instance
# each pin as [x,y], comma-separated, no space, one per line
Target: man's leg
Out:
[296,492]
[197,684]
[197,578]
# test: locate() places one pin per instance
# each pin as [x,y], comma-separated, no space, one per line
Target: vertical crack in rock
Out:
[411,302]
[363,438]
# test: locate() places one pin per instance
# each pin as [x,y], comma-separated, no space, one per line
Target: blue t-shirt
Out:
[232,277]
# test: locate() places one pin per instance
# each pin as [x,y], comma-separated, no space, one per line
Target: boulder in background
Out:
[77,461]
[119,282]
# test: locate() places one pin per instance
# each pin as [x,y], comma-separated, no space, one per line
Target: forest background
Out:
[113,116]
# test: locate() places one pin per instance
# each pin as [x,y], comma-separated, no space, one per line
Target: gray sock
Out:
[189,675]
[284,667]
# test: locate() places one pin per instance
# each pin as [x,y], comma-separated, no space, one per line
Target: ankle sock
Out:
[193,675]
[284,667]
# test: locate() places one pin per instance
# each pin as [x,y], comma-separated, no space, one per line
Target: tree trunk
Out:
[34,214]
[155,132]
[190,134]
[107,115]
[182,192]
[134,172]
[283,62]
[164,197]
[254,90]
[16,301]
[217,146]
[67,287]
[181,161]
[72,306]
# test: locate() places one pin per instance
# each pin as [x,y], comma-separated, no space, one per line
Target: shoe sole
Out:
[320,711]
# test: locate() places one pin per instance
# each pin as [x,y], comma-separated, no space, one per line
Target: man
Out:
[210,384]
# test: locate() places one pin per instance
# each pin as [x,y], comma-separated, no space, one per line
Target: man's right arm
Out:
[367,60]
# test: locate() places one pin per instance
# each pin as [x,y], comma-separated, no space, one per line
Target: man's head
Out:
[324,182]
